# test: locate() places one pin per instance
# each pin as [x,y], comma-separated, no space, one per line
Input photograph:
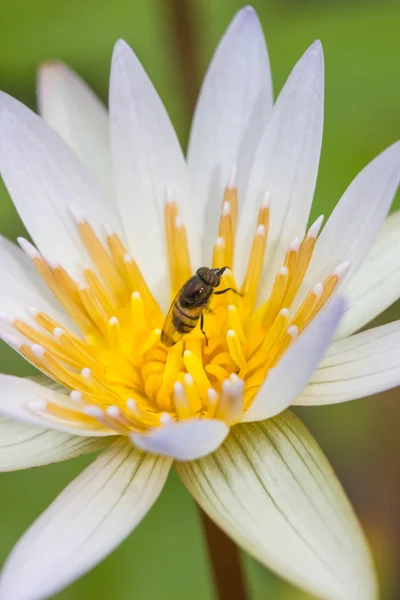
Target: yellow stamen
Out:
[235,348]
[195,369]
[120,375]
[177,247]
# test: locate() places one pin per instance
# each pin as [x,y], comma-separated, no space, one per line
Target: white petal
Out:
[286,165]
[44,177]
[355,367]
[16,396]
[92,516]
[70,107]
[356,220]
[147,160]
[184,440]
[234,105]
[376,285]
[288,379]
[271,489]
[24,446]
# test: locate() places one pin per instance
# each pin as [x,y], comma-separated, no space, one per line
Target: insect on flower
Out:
[189,304]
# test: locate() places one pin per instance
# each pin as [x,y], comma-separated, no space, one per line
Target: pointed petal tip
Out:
[248,12]
[121,46]
[52,65]
[246,17]
[314,53]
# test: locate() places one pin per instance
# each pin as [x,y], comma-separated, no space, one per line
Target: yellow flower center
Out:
[121,376]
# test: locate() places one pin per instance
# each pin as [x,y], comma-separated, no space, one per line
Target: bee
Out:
[189,303]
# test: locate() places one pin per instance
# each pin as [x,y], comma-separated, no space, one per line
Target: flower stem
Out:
[226,564]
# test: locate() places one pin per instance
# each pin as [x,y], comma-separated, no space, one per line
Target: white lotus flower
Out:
[86,306]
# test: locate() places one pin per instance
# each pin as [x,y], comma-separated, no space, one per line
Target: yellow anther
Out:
[152,339]
[219,253]
[263,355]
[292,255]
[172,368]
[305,311]
[138,284]
[231,198]
[274,304]
[217,371]
[137,312]
[118,252]
[290,335]
[330,284]
[235,321]
[68,414]
[254,269]
[93,308]
[177,246]
[144,417]
[212,400]
[100,292]
[231,402]
[192,393]
[235,348]
[114,334]
[182,404]
[226,233]
[195,368]
[99,255]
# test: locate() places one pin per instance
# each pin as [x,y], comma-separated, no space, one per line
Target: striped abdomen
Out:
[185,310]
[185,319]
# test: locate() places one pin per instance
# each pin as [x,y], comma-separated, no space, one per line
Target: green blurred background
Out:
[165,558]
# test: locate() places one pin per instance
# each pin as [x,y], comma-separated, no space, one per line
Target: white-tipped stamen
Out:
[226,209]
[318,289]
[232,178]
[76,396]
[295,245]
[94,411]
[169,198]
[37,406]
[7,318]
[342,269]
[11,340]
[165,418]
[293,331]
[266,202]
[188,379]
[260,230]
[315,227]
[28,248]
[86,373]
[58,332]
[113,411]
[283,271]
[53,264]
[32,312]
[76,214]
[178,222]
[38,350]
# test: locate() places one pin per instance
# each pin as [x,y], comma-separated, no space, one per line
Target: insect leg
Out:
[227,290]
[202,328]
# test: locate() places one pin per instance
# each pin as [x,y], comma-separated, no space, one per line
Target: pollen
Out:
[112,368]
